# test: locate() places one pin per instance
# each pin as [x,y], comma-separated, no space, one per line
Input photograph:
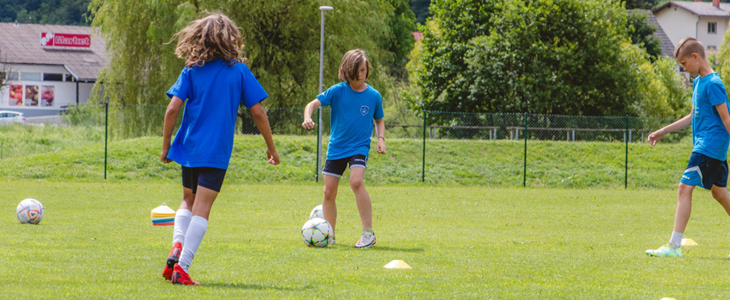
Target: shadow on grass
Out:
[249,286]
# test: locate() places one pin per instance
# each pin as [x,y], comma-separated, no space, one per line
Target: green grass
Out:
[77,153]
[96,241]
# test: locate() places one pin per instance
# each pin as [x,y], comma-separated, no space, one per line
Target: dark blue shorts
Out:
[704,171]
[210,178]
[337,167]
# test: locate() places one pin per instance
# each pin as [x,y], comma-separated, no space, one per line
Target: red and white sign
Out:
[50,39]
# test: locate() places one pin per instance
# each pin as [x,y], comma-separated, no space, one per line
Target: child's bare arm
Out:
[380,125]
[308,110]
[722,109]
[680,124]
[262,123]
[170,117]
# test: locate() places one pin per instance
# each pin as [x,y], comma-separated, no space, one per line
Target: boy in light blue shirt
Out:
[710,121]
[355,105]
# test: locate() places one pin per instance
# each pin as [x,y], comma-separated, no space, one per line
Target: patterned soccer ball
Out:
[316,232]
[316,213]
[29,211]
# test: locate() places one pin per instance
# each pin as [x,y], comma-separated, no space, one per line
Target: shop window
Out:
[12,76]
[69,77]
[52,77]
[30,76]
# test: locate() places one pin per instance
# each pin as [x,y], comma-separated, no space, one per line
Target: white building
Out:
[704,21]
[48,67]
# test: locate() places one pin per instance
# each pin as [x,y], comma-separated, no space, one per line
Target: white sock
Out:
[676,239]
[182,221]
[196,231]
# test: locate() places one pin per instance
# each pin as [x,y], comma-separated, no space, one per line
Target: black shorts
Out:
[704,171]
[337,167]
[210,178]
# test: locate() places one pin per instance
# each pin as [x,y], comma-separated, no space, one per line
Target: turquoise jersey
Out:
[709,135]
[351,119]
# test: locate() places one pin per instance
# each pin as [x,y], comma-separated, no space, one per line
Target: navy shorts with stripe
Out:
[705,171]
[337,167]
[210,178]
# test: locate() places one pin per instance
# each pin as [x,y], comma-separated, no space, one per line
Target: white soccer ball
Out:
[317,232]
[316,213]
[29,211]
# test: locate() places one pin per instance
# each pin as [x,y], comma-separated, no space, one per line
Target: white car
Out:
[10,117]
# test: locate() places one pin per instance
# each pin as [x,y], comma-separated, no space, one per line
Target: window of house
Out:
[711,47]
[712,27]
[52,77]
[69,77]
[30,76]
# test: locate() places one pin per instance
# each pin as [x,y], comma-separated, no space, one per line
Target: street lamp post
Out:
[323,9]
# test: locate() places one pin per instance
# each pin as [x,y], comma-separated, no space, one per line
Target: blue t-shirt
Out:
[351,119]
[214,92]
[709,135]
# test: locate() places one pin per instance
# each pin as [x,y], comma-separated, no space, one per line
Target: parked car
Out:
[10,117]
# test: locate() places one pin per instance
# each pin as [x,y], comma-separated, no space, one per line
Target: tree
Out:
[642,33]
[420,8]
[640,4]
[61,12]
[281,38]
[538,56]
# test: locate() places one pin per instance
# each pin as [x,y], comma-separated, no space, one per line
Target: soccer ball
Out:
[29,211]
[316,232]
[316,213]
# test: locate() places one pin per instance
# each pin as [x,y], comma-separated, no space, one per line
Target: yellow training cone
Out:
[688,242]
[397,264]
[667,298]
[163,215]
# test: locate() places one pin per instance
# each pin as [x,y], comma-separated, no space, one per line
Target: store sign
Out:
[50,39]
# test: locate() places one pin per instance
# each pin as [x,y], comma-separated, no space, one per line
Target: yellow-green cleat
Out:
[667,250]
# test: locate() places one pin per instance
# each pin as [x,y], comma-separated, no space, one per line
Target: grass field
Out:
[96,241]
[77,153]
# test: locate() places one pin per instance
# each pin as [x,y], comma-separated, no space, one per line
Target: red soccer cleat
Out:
[181,277]
[172,259]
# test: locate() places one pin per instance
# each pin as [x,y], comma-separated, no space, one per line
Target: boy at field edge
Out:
[212,86]
[354,106]
[710,122]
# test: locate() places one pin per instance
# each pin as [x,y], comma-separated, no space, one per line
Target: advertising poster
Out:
[16,95]
[31,95]
[47,95]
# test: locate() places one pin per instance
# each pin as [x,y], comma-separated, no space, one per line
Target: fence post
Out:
[423,162]
[626,164]
[524,170]
[106,134]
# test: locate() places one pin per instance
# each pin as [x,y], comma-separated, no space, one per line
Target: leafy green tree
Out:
[61,12]
[640,4]
[420,8]
[281,38]
[642,33]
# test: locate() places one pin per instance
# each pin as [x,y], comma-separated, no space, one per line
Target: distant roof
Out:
[21,45]
[417,35]
[667,45]
[705,9]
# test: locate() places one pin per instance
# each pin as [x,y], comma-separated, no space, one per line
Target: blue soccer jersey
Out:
[351,119]
[212,94]
[709,135]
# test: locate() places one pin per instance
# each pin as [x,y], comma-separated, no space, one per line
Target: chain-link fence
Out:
[492,149]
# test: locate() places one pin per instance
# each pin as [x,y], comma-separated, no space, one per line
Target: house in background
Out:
[666,44]
[48,67]
[704,21]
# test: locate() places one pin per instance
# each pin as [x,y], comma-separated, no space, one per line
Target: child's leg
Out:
[684,208]
[198,225]
[183,216]
[362,198]
[329,205]
[721,195]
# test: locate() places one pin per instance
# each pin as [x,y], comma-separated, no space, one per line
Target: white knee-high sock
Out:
[196,231]
[182,221]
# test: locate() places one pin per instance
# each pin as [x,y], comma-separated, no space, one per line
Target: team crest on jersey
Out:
[364,110]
